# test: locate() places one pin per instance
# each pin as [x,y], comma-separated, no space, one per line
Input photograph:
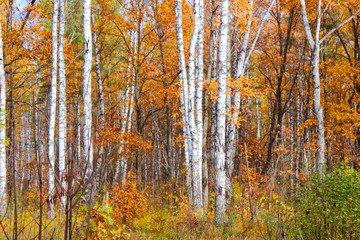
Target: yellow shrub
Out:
[127,201]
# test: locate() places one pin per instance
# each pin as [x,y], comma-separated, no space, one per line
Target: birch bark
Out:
[191,107]
[125,106]
[128,123]
[52,112]
[191,100]
[315,49]
[87,105]
[101,104]
[214,76]
[220,184]
[62,105]
[198,115]
[184,95]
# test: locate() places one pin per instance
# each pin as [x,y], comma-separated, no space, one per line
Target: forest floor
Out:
[134,214]
[262,208]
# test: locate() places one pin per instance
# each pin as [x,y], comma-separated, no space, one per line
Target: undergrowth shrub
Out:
[113,219]
[127,201]
[329,207]
[101,223]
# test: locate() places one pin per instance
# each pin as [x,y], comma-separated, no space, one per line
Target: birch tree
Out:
[194,150]
[220,200]
[62,104]
[214,74]
[184,93]
[101,104]
[315,42]
[196,77]
[52,110]
[87,156]
[3,201]
[191,99]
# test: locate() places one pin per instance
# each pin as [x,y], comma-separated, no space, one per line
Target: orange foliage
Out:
[127,201]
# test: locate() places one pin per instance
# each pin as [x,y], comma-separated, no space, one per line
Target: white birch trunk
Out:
[78,133]
[191,100]
[315,48]
[62,105]
[3,200]
[258,119]
[318,111]
[87,105]
[119,163]
[315,45]
[184,95]
[197,160]
[22,147]
[214,76]
[220,185]
[317,94]
[194,150]
[101,104]
[26,143]
[52,112]
[128,127]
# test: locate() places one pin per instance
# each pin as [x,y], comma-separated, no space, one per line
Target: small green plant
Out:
[328,207]
[102,225]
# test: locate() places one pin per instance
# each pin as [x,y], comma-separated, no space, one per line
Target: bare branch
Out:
[258,34]
[339,26]
[325,9]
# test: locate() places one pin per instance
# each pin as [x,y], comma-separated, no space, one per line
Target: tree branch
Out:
[339,26]
[306,24]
